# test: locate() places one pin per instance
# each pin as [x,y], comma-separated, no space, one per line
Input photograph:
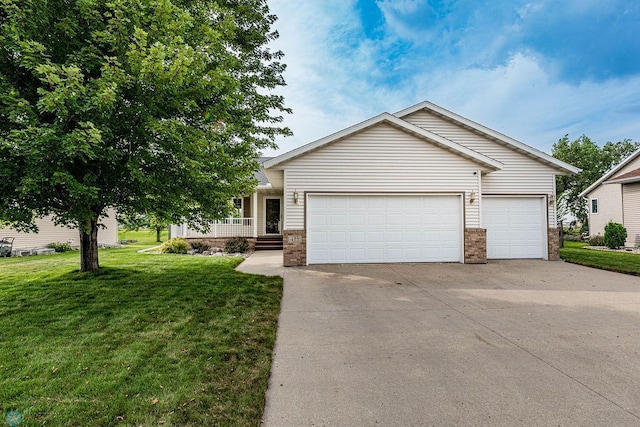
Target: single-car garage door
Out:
[383,228]
[516,227]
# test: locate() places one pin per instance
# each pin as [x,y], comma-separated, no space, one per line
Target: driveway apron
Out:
[506,343]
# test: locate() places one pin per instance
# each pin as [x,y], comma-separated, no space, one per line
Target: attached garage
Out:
[358,228]
[516,227]
[410,187]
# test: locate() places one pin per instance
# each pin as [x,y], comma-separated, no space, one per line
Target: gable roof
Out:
[490,133]
[611,172]
[260,175]
[625,178]
[486,162]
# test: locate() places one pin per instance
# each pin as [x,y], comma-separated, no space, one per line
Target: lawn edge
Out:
[600,267]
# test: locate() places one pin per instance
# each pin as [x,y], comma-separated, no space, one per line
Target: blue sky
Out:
[534,70]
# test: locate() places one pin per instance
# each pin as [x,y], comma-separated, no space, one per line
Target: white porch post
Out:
[254,213]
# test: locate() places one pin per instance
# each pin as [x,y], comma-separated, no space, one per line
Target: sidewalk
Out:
[267,263]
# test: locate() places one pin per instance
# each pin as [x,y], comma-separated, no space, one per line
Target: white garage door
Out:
[378,229]
[516,227]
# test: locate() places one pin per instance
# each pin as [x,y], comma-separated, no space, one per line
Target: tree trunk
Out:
[89,246]
[158,231]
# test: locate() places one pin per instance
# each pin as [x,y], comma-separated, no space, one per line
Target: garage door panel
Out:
[357,204]
[384,229]
[375,219]
[338,237]
[516,227]
[394,219]
[318,236]
[357,219]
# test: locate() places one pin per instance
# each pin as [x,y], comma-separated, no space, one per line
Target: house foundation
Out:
[294,248]
[475,245]
[553,241]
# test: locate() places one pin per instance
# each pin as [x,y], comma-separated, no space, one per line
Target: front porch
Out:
[259,217]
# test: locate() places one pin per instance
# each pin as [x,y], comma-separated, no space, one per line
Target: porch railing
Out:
[227,227]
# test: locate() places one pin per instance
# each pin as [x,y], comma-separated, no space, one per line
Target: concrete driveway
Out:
[506,343]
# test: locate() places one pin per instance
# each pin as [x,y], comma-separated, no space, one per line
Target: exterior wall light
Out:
[295,196]
[472,197]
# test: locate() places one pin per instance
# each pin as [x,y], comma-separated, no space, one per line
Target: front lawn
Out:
[621,262]
[148,340]
[144,236]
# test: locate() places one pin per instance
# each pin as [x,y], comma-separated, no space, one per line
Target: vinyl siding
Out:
[520,175]
[632,165]
[381,159]
[631,208]
[609,207]
[609,201]
[51,233]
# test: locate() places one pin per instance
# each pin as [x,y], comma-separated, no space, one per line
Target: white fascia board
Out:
[489,132]
[483,160]
[610,173]
[624,180]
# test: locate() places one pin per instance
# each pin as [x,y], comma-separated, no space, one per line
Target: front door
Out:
[272,216]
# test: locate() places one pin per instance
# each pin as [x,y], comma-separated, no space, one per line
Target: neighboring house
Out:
[421,185]
[48,232]
[616,197]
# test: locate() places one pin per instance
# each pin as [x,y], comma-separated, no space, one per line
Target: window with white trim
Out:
[594,206]
[237,203]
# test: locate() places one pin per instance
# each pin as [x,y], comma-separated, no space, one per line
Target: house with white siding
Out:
[49,232]
[421,185]
[616,197]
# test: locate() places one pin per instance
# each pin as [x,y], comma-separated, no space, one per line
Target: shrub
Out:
[199,246]
[177,245]
[596,240]
[614,235]
[237,244]
[60,247]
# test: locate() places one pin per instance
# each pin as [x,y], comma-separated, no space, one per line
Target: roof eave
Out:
[540,155]
[608,174]
[485,161]
[630,180]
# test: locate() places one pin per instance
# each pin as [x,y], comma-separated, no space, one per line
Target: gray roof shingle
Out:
[260,175]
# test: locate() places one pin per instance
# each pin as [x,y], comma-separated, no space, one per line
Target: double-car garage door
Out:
[418,228]
[384,228]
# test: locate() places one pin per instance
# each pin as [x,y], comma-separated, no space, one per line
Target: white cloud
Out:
[520,100]
[336,78]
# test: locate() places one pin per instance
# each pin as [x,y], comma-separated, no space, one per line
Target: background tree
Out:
[594,162]
[138,221]
[141,105]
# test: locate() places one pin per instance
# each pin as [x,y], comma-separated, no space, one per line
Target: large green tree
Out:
[594,162]
[145,106]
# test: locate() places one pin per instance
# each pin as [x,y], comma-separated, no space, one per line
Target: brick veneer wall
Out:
[475,245]
[218,242]
[553,241]
[294,245]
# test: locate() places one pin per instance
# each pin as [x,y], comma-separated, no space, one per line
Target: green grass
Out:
[147,340]
[620,262]
[144,237]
